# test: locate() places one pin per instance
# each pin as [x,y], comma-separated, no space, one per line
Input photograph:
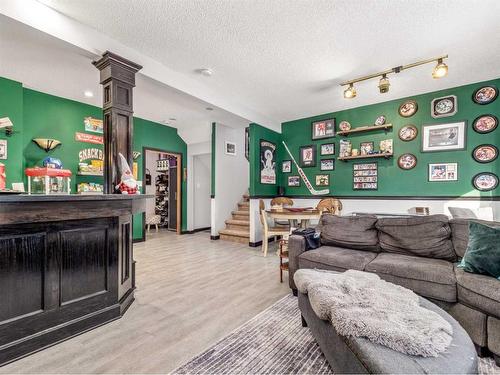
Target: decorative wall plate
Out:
[485,124]
[408,133]
[485,95]
[408,108]
[380,120]
[444,106]
[344,125]
[485,153]
[485,181]
[407,161]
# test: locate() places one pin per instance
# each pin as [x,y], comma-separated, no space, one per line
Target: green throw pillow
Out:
[483,252]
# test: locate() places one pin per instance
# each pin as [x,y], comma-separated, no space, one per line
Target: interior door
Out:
[173,197]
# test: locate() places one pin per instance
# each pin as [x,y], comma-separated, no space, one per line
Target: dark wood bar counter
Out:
[66,266]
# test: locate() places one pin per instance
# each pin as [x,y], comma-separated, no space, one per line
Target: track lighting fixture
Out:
[440,70]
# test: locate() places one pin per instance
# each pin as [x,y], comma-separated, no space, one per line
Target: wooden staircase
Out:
[238,227]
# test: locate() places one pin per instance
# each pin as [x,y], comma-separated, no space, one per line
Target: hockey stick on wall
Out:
[304,177]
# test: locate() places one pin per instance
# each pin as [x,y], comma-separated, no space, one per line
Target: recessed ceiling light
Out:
[88,94]
[209,109]
[205,72]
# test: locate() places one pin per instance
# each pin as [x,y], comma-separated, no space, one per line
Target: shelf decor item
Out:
[322,180]
[485,153]
[307,156]
[408,133]
[3,149]
[327,149]
[48,181]
[267,162]
[485,95]
[286,166]
[380,120]
[344,125]
[345,148]
[444,106]
[47,144]
[407,161]
[485,124]
[367,128]
[327,164]
[444,137]
[386,146]
[293,181]
[408,108]
[485,181]
[323,129]
[366,148]
[365,176]
[443,172]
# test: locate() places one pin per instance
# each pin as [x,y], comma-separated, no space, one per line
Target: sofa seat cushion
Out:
[479,291]
[336,259]
[351,232]
[425,236]
[432,278]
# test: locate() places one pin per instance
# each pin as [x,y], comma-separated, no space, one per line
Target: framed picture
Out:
[485,95]
[365,176]
[230,148]
[327,164]
[444,106]
[408,133]
[293,181]
[323,129]
[485,181]
[408,108]
[308,156]
[443,172]
[327,149]
[345,148]
[485,153]
[366,148]
[93,125]
[444,137]
[3,149]
[386,146]
[344,126]
[407,161]
[322,180]
[286,166]
[267,162]
[485,124]
[380,120]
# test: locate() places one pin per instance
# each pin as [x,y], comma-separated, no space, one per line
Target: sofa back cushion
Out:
[425,236]
[460,233]
[352,232]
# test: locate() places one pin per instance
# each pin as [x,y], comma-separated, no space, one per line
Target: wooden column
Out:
[118,81]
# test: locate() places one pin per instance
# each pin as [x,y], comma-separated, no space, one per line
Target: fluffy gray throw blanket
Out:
[363,305]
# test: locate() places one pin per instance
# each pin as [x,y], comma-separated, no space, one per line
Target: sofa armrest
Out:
[296,246]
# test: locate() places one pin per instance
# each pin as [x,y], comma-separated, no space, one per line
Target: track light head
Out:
[440,70]
[383,84]
[350,92]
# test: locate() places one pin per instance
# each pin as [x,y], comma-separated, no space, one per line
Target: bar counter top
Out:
[8,198]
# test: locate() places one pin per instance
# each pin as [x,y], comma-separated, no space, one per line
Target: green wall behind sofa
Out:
[392,180]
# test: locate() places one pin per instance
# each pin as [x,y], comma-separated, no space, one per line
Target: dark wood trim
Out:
[137,240]
[259,243]
[215,238]
[391,197]
[212,196]
[196,230]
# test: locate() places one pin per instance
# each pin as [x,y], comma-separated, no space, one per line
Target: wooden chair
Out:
[331,205]
[284,202]
[269,229]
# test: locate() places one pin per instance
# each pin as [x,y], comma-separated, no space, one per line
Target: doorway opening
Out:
[162,176]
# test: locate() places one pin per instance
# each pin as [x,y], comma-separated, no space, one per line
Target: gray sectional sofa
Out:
[420,253]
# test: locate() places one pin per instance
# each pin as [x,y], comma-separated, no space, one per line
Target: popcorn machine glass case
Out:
[48,181]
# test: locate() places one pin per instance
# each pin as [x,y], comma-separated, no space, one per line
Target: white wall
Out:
[194,149]
[231,175]
[151,158]
[201,190]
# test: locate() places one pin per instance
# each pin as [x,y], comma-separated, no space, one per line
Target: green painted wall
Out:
[257,133]
[11,105]
[394,181]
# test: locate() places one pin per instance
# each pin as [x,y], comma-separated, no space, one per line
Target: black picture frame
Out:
[485,161]
[287,162]
[327,144]
[265,173]
[474,179]
[375,176]
[294,176]
[302,162]
[321,165]
[474,99]
[330,129]
[474,123]
[452,98]
[323,175]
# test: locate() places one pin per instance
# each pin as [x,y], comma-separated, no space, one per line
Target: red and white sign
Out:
[89,138]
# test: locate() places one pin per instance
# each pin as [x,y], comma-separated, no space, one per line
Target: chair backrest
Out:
[282,201]
[262,209]
[330,205]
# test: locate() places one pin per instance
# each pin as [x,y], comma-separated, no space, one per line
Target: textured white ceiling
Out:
[285,58]
[47,64]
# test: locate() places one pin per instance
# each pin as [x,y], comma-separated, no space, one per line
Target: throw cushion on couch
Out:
[425,236]
[352,232]
[460,232]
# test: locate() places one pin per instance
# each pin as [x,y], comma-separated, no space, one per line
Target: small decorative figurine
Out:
[128,184]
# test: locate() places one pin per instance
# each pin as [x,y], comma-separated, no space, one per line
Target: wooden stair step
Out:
[244,204]
[238,222]
[241,213]
[234,232]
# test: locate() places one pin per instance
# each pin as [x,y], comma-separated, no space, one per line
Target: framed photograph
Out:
[386,146]
[293,181]
[444,106]
[3,149]
[327,149]
[485,124]
[444,137]
[380,120]
[322,180]
[323,129]
[485,153]
[365,176]
[408,108]
[366,148]
[267,162]
[443,172]
[408,133]
[327,164]
[485,181]
[407,161]
[345,148]
[286,166]
[485,95]
[308,156]
[230,148]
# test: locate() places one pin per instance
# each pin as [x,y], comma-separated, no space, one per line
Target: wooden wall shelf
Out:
[362,129]
[385,156]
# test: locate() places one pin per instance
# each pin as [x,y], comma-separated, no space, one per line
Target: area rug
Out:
[273,342]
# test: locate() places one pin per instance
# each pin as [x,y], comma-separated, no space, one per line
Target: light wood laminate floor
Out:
[191,292]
